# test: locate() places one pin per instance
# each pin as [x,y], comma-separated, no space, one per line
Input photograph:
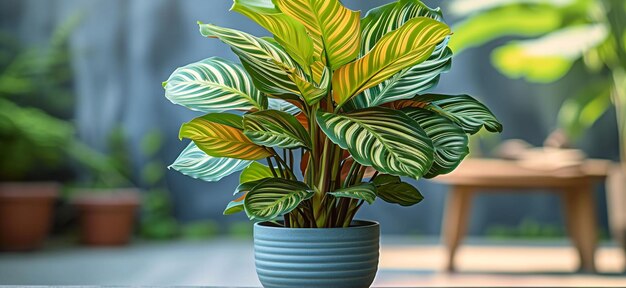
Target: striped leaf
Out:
[312,93]
[213,85]
[290,33]
[392,190]
[274,197]
[255,171]
[197,164]
[282,105]
[275,129]
[410,81]
[384,19]
[213,135]
[242,190]
[449,140]
[266,62]
[333,28]
[385,139]
[404,47]
[363,191]
[464,110]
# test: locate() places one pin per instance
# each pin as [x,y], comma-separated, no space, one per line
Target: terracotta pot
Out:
[107,216]
[25,214]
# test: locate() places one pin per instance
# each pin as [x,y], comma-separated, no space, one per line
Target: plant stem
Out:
[269,163]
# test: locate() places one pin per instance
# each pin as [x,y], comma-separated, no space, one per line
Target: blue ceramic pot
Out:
[321,257]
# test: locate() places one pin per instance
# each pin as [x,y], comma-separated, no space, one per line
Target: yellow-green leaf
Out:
[333,27]
[312,93]
[290,33]
[219,139]
[404,47]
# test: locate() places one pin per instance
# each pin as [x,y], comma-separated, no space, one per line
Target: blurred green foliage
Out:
[35,105]
[550,36]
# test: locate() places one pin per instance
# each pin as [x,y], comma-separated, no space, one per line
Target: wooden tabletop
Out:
[488,173]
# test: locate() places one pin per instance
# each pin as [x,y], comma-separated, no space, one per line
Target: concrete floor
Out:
[229,262]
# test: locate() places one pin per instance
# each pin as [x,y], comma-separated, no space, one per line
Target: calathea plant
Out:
[340,91]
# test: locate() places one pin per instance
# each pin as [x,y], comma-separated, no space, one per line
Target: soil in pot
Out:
[25,214]
[316,257]
[106,217]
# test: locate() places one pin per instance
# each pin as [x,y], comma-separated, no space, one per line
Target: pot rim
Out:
[366,224]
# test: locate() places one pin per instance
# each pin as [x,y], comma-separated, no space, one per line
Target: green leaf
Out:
[197,164]
[214,85]
[408,82]
[255,171]
[275,129]
[290,33]
[266,62]
[363,191]
[464,110]
[274,197]
[282,105]
[449,140]
[580,112]
[514,20]
[392,190]
[385,139]
[233,207]
[546,59]
[384,19]
[333,28]
[216,138]
[312,93]
[404,47]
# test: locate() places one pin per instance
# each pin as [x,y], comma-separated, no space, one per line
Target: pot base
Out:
[317,257]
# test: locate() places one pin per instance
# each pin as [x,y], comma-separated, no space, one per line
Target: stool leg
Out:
[456,220]
[582,224]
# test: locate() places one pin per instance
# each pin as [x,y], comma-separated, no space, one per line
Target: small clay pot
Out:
[107,216]
[25,214]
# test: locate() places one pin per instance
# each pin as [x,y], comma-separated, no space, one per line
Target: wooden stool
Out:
[574,185]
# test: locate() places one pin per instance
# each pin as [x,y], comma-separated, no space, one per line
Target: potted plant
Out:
[33,137]
[107,207]
[342,93]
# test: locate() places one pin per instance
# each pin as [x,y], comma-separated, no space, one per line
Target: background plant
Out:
[557,35]
[342,93]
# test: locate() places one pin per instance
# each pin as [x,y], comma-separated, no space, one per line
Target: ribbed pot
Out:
[316,257]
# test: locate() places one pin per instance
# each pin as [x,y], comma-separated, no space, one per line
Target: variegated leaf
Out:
[282,105]
[275,129]
[449,140]
[290,33]
[389,17]
[197,164]
[333,27]
[404,47]
[213,135]
[392,190]
[464,110]
[410,81]
[385,139]
[213,85]
[363,191]
[312,93]
[254,172]
[273,197]
[265,61]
